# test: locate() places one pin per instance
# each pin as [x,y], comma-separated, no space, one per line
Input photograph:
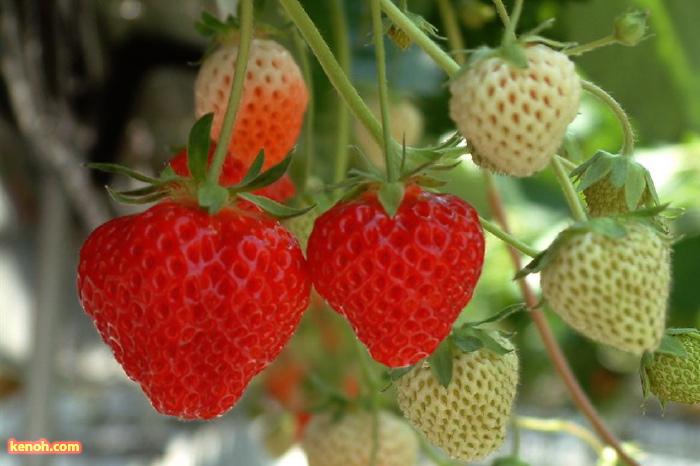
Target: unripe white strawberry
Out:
[468,418]
[406,122]
[514,119]
[348,441]
[676,378]
[271,111]
[612,290]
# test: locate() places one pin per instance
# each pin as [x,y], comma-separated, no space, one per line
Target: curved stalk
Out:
[627,131]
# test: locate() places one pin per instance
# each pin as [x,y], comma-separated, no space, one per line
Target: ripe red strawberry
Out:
[233,172]
[193,304]
[400,281]
[272,106]
[514,119]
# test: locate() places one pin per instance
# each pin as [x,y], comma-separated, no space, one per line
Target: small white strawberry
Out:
[513,118]
[467,419]
[348,440]
[610,281]
[675,377]
[271,111]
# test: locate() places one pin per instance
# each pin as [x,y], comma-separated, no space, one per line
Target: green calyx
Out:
[614,184]
[209,195]
[631,27]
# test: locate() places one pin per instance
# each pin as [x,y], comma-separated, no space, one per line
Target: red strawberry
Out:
[272,106]
[400,281]
[193,304]
[233,172]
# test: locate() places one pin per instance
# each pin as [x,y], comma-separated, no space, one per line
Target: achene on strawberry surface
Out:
[400,281]
[193,304]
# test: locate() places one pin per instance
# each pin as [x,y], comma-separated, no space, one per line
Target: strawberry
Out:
[193,304]
[514,118]
[348,441]
[467,419]
[603,199]
[272,106]
[400,281]
[406,123]
[610,281]
[674,377]
[233,172]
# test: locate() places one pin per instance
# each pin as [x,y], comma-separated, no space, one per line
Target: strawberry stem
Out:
[439,56]
[509,239]
[454,34]
[509,36]
[246,21]
[627,131]
[378,30]
[306,160]
[572,197]
[583,48]
[561,425]
[342,47]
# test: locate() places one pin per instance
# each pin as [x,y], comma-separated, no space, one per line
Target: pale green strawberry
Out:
[468,418]
[611,286]
[348,440]
[676,378]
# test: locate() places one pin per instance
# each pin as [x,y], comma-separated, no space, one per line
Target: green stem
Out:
[438,55]
[570,193]
[378,30]
[306,161]
[627,131]
[333,70]
[509,35]
[580,49]
[568,164]
[506,238]
[342,46]
[454,34]
[502,12]
[561,425]
[246,20]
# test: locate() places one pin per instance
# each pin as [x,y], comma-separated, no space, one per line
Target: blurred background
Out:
[112,81]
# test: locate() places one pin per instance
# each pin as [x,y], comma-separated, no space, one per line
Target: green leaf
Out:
[267,177]
[397,373]
[682,331]
[651,186]
[429,181]
[168,174]
[671,345]
[120,170]
[277,210]
[466,342]
[212,196]
[608,227]
[537,264]
[441,362]
[501,314]
[136,200]
[198,147]
[618,174]
[145,191]
[635,186]
[368,163]
[596,172]
[255,168]
[576,172]
[390,196]
[490,343]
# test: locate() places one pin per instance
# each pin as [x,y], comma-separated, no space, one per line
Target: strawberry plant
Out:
[204,290]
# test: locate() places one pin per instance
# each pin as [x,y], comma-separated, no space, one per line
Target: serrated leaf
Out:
[120,170]
[635,185]
[490,343]
[211,196]
[608,227]
[267,177]
[275,209]
[255,168]
[198,147]
[670,345]
[502,314]
[390,196]
[596,172]
[618,174]
[466,342]
[441,362]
